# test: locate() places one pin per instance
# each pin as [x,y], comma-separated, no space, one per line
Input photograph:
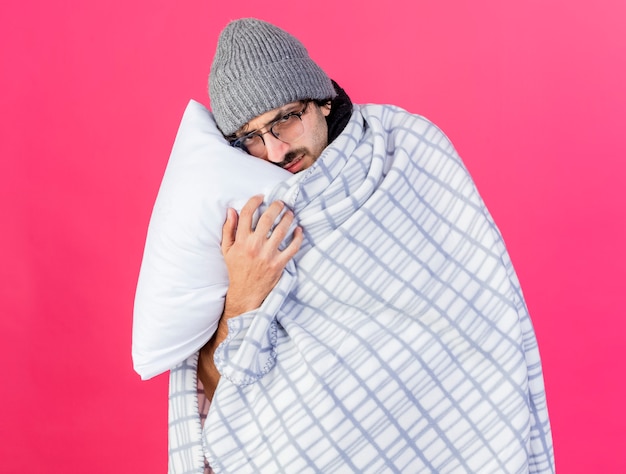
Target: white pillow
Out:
[183,278]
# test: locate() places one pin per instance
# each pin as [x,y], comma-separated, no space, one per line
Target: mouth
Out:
[294,165]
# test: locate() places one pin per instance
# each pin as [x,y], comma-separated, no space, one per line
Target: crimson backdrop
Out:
[532,94]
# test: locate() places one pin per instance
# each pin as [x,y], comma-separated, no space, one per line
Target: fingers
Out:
[294,245]
[268,218]
[229,229]
[269,230]
[282,228]
[266,221]
[246,216]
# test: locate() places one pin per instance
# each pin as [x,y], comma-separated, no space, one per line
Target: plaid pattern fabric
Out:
[397,339]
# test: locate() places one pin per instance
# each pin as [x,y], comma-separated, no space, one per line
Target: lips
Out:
[295,165]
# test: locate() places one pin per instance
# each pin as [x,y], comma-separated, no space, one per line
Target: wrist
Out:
[235,306]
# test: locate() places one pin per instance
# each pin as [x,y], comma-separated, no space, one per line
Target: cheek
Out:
[321,138]
[317,146]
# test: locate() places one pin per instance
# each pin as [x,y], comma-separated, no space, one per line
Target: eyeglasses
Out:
[287,128]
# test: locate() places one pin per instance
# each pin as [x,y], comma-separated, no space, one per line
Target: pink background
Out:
[533,94]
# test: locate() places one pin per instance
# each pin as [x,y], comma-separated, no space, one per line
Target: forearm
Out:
[207,371]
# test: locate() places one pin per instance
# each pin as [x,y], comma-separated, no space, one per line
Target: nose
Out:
[275,149]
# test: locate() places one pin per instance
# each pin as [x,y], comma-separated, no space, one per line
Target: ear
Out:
[325,108]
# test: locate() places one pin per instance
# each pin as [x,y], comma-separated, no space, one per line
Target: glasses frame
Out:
[239,142]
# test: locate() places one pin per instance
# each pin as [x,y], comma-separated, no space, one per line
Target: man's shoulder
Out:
[393,118]
[391,113]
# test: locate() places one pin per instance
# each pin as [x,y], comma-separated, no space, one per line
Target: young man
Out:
[386,331]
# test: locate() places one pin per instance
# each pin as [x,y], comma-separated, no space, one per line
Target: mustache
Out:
[290,156]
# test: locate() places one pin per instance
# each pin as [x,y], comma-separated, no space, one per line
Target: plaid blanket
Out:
[397,339]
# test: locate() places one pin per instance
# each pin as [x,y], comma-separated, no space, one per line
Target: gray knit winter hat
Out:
[258,67]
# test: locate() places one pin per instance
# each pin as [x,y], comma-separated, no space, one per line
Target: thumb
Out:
[229,230]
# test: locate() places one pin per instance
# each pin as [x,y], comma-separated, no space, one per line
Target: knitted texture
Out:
[258,67]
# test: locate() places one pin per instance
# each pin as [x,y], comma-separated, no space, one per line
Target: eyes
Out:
[277,128]
[287,128]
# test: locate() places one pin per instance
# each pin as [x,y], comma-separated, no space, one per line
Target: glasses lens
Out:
[251,144]
[289,129]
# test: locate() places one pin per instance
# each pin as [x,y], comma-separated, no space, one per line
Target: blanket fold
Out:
[398,339]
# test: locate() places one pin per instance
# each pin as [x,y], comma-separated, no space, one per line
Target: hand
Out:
[252,256]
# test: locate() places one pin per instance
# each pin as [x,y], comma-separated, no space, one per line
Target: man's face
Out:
[299,154]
